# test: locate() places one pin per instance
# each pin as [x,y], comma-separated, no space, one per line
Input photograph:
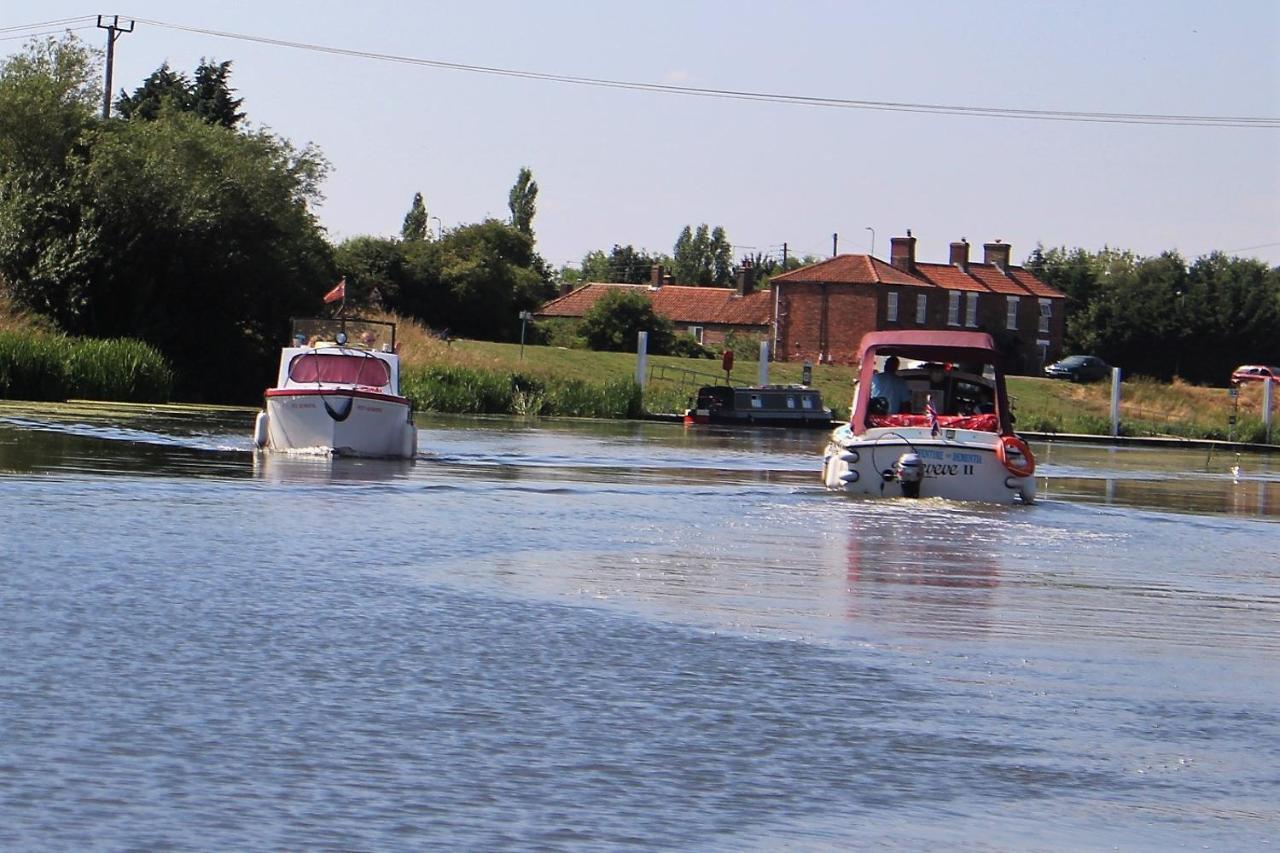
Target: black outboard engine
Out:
[909,471]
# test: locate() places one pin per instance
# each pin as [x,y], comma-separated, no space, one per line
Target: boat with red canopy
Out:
[338,393]
[952,433]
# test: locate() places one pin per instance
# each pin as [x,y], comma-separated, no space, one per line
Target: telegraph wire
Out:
[32,35]
[1152,119]
[40,24]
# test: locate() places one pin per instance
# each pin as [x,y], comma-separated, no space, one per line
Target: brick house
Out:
[823,310]
[706,313]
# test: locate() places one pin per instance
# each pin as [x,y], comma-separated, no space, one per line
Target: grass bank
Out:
[1041,405]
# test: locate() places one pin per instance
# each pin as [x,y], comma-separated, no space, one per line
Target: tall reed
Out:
[119,369]
[33,367]
[55,367]
[468,390]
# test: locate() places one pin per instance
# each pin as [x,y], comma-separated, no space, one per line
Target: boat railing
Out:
[685,379]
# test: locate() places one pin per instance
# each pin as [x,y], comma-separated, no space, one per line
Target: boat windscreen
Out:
[340,369]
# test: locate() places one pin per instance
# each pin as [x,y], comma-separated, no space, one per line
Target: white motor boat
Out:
[338,396]
[953,437]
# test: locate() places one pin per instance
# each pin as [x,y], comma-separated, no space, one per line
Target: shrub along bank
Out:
[56,367]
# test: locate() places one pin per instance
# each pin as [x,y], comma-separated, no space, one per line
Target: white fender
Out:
[409,446]
[260,430]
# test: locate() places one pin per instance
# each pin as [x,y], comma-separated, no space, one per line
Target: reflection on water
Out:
[602,635]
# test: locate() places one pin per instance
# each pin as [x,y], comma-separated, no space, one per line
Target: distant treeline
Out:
[1160,317]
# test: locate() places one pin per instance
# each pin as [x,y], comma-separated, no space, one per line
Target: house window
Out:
[1046,312]
[696,331]
[971,310]
[953,308]
[922,305]
[1011,318]
[1043,347]
[891,307]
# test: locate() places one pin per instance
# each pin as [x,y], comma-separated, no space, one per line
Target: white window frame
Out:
[696,331]
[1046,314]
[891,307]
[971,309]
[953,308]
[1011,312]
[922,308]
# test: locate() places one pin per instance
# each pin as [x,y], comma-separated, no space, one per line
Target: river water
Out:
[584,635]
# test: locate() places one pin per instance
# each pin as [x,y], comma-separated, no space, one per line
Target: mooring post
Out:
[1115,402]
[642,357]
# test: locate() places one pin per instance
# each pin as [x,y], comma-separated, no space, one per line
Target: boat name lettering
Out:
[967,457]
[926,453]
[935,469]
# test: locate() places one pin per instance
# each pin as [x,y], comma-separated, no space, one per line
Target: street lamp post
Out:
[439,227]
[525,317]
[873,240]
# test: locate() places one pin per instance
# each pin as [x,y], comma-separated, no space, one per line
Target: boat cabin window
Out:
[807,402]
[340,369]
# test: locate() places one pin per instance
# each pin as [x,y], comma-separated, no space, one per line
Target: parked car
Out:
[1078,368]
[1255,372]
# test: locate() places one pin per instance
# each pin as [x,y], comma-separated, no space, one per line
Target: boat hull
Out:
[344,422]
[963,465]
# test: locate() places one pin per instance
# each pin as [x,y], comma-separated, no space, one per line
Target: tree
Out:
[702,257]
[48,109]
[209,96]
[198,241]
[415,221]
[523,202]
[617,318]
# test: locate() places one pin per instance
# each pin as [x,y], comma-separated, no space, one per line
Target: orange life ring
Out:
[1028,466]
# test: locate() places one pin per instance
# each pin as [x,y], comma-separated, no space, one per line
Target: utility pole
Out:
[784,257]
[835,243]
[114,31]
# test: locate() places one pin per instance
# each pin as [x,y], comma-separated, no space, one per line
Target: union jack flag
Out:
[933,415]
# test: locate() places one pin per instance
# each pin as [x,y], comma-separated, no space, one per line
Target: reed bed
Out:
[50,367]
[468,390]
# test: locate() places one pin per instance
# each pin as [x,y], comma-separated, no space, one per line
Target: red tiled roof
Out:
[678,303]
[864,269]
[849,269]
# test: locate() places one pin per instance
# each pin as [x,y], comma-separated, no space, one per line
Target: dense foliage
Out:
[1159,317]
[181,231]
[473,282]
[703,257]
[209,96]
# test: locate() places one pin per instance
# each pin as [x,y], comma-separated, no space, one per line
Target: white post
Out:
[1266,406]
[763,376]
[642,358]
[1115,402]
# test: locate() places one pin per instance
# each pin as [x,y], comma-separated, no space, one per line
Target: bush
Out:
[617,318]
[687,347]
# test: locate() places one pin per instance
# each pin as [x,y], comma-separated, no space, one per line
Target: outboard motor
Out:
[909,471]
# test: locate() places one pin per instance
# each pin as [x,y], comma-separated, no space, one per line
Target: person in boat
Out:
[888,385]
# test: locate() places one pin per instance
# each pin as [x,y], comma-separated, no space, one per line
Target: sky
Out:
[627,166]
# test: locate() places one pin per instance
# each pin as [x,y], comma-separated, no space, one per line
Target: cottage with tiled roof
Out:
[823,310]
[706,313]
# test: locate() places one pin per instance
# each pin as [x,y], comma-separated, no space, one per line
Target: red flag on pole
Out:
[339,292]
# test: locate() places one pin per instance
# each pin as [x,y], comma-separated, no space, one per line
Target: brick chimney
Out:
[656,276]
[960,255]
[996,254]
[746,278]
[902,252]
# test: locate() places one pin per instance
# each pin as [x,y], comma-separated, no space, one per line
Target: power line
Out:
[39,24]
[730,94]
[32,35]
